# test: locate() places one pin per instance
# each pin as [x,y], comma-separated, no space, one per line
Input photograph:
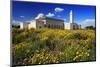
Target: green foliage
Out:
[15,26]
[45,46]
[90,27]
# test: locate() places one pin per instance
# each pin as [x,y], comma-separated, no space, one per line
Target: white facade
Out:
[44,22]
[32,24]
[23,25]
[66,25]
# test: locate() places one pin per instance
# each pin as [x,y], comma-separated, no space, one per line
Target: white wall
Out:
[66,25]
[23,25]
[32,24]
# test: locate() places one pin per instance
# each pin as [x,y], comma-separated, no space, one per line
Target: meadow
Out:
[49,46]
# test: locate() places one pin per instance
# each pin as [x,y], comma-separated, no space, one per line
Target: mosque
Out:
[46,22]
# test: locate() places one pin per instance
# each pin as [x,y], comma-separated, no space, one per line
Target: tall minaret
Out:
[71,20]
[71,16]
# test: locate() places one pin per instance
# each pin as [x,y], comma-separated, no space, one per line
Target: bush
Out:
[45,46]
[44,57]
[21,51]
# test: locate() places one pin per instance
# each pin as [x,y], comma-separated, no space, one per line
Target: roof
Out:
[45,18]
[54,19]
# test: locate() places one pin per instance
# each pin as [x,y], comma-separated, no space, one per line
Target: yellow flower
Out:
[77,52]
[88,54]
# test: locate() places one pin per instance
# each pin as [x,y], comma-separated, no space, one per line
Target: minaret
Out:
[71,17]
[71,20]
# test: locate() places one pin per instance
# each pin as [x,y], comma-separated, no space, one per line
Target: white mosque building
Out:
[45,22]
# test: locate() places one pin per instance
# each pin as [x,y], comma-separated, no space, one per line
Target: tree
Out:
[90,27]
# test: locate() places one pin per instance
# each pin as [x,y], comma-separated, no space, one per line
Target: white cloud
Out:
[50,15]
[87,22]
[57,9]
[22,16]
[14,22]
[39,15]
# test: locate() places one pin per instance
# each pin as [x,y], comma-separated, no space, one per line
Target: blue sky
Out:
[26,11]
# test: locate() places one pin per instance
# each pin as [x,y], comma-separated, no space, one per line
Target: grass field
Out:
[46,46]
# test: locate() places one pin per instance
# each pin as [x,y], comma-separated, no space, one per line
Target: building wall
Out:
[55,24]
[32,24]
[44,22]
[75,26]
[66,25]
[40,23]
[50,23]
[23,25]
[72,26]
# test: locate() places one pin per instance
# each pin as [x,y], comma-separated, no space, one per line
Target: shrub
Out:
[21,51]
[44,57]
[44,46]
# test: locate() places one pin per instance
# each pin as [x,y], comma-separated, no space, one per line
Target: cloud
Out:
[88,22]
[22,16]
[50,15]
[39,15]
[14,22]
[57,9]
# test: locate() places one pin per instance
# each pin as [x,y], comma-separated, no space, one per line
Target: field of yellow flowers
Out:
[49,46]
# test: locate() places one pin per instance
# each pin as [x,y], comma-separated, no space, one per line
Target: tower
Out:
[71,17]
[71,20]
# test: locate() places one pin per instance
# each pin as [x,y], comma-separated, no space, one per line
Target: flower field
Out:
[49,46]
